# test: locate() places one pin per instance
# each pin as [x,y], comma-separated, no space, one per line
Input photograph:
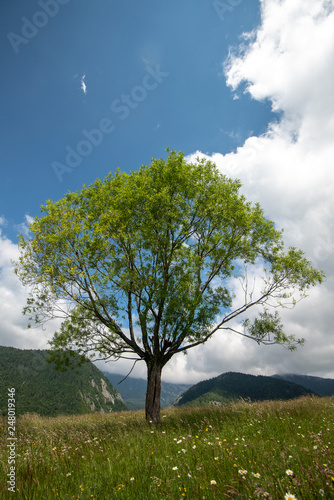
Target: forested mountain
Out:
[232,386]
[40,388]
[133,391]
[322,386]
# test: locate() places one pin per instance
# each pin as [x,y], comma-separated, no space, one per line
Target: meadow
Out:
[275,450]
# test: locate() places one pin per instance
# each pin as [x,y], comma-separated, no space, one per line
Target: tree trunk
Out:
[153,393]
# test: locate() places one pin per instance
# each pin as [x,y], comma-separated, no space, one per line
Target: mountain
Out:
[322,386]
[231,386]
[40,388]
[133,391]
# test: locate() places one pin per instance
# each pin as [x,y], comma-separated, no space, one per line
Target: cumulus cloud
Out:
[14,325]
[289,170]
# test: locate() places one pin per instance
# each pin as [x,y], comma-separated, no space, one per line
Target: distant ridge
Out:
[231,386]
[133,391]
[40,388]
[322,386]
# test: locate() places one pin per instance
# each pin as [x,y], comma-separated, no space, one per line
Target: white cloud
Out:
[3,221]
[289,60]
[289,170]
[83,84]
[23,228]
[14,326]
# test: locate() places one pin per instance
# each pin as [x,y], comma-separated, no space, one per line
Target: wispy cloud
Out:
[3,221]
[23,228]
[83,84]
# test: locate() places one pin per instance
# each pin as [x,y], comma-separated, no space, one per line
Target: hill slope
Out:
[232,386]
[40,388]
[133,391]
[322,386]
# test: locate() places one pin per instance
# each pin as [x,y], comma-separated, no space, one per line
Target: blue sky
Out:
[44,108]
[109,84]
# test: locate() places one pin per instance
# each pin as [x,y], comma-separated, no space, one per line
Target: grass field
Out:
[243,450]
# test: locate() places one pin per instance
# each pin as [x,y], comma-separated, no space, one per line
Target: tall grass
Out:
[242,450]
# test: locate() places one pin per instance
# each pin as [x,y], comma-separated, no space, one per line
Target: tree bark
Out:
[153,392]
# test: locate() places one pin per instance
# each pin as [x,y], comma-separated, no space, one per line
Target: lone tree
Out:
[140,266]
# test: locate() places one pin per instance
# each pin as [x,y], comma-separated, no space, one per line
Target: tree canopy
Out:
[140,266]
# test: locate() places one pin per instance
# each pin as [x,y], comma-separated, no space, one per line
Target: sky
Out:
[88,87]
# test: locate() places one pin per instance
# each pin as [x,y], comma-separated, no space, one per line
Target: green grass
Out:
[196,453]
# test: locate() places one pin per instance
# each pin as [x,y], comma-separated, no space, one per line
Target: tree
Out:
[140,266]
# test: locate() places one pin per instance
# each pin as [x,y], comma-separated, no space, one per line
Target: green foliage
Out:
[242,450]
[161,243]
[267,328]
[41,388]
[156,250]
